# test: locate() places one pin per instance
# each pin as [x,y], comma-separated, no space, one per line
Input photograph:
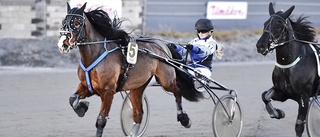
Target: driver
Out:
[202,49]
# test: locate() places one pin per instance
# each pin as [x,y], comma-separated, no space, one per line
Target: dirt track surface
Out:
[34,102]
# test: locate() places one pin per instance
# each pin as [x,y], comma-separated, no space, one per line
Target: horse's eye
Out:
[77,24]
[279,25]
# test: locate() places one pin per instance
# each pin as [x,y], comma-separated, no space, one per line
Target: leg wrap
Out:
[273,112]
[100,124]
[299,121]
[179,108]
[299,127]
[266,96]
[74,101]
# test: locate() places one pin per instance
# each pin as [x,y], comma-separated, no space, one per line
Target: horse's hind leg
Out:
[274,112]
[80,107]
[136,96]
[182,116]
[168,81]
[136,101]
[301,118]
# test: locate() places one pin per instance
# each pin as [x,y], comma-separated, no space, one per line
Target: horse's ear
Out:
[271,9]
[288,12]
[83,7]
[68,7]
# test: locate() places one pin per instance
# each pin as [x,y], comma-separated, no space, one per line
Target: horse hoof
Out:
[189,124]
[99,132]
[278,114]
[281,114]
[82,108]
[184,120]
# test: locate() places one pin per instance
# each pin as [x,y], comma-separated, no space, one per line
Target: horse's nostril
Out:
[261,50]
[65,46]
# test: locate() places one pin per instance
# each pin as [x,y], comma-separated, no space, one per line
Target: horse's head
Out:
[73,29]
[275,30]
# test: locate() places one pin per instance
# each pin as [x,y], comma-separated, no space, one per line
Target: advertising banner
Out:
[112,7]
[227,10]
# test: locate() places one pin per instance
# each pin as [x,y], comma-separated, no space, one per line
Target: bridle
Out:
[281,39]
[69,29]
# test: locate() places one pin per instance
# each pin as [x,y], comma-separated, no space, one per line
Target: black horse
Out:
[295,74]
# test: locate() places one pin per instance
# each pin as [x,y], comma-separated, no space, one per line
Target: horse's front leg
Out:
[301,118]
[106,101]
[80,107]
[272,94]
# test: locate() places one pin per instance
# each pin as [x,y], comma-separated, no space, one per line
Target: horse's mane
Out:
[108,28]
[303,29]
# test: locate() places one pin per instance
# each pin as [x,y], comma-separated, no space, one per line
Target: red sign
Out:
[227,10]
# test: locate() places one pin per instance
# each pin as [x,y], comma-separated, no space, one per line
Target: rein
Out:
[96,42]
[273,45]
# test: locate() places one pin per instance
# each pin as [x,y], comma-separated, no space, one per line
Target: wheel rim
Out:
[313,119]
[224,125]
[126,117]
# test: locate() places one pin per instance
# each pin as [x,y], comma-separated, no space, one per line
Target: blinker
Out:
[74,23]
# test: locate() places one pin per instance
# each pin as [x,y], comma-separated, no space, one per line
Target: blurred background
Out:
[36,79]
[29,29]
[42,18]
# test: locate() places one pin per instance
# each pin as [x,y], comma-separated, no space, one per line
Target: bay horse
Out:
[295,74]
[103,70]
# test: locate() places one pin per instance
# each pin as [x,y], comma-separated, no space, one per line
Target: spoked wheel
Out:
[227,117]
[313,118]
[126,116]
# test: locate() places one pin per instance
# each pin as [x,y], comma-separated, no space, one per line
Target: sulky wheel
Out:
[227,117]
[126,116]
[313,118]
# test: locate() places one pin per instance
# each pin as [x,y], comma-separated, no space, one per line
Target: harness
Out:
[126,66]
[74,23]
[96,62]
[275,43]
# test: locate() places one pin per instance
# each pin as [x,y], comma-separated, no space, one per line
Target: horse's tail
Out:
[186,86]
[185,80]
